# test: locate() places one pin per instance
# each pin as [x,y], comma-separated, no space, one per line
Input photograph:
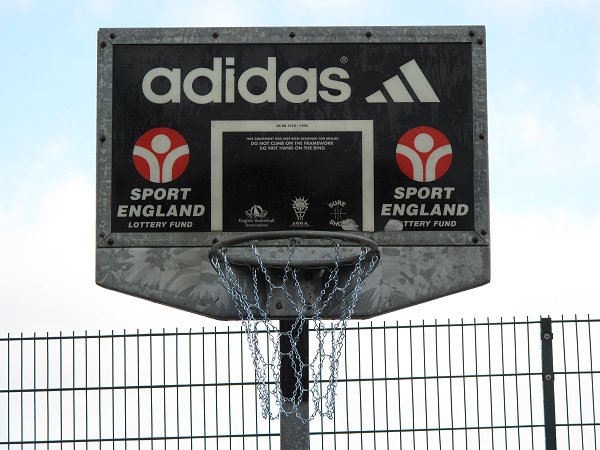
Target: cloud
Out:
[14,6]
[543,263]
[48,270]
[523,142]
[547,257]
[24,173]
[272,13]
[99,8]
[581,134]
[543,140]
[330,12]
[523,9]
[223,13]
[8,4]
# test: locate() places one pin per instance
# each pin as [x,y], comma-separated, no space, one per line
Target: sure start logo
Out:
[161,155]
[424,154]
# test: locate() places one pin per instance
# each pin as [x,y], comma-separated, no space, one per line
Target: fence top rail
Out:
[230,330]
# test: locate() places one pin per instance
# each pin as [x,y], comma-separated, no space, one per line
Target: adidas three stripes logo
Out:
[398,92]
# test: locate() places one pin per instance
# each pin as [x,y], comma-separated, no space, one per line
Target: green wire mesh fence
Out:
[479,385]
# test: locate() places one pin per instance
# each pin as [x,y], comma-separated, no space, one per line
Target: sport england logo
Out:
[399,93]
[161,155]
[424,154]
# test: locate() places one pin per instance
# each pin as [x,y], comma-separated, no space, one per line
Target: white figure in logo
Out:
[161,145]
[424,161]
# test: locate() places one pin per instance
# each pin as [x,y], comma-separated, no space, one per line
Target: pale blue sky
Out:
[543,61]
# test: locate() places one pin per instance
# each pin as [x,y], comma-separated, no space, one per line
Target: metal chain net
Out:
[253,310]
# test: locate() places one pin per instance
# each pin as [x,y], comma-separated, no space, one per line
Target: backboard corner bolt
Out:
[483,232]
[110,242]
[480,41]
[475,240]
[112,35]
[102,234]
[471,33]
[103,44]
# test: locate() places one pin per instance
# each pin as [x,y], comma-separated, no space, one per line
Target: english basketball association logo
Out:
[161,155]
[424,154]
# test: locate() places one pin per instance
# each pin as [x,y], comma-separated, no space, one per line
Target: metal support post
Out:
[295,434]
[548,384]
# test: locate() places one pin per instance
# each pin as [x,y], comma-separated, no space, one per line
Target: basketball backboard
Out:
[207,134]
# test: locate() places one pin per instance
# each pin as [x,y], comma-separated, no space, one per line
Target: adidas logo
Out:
[398,91]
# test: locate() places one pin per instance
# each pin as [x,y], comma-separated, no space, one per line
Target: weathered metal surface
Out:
[183,277]
[173,268]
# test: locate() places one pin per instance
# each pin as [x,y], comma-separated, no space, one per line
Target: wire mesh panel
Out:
[412,386]
[577,383]
[147,391]
[452,386]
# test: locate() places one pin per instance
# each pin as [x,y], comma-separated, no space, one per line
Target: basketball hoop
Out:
[296,276]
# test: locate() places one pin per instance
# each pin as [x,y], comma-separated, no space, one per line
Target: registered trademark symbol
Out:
[344,59]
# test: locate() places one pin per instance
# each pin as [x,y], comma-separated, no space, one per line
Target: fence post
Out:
[295,434]
[548,383]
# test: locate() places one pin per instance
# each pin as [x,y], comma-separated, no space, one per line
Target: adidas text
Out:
[326,85]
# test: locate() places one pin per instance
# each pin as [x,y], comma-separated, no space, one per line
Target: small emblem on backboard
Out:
[256,217]
[300,206]
[256,212]
[336,212]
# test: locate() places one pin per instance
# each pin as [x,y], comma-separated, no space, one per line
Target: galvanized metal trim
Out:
[399,238]
[405,276]
[480,137]
[287,35]
[104,138]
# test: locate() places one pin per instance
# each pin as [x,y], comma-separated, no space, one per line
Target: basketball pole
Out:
[294,433]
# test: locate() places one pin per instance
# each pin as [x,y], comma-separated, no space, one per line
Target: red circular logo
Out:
[161,155]
[424,154]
